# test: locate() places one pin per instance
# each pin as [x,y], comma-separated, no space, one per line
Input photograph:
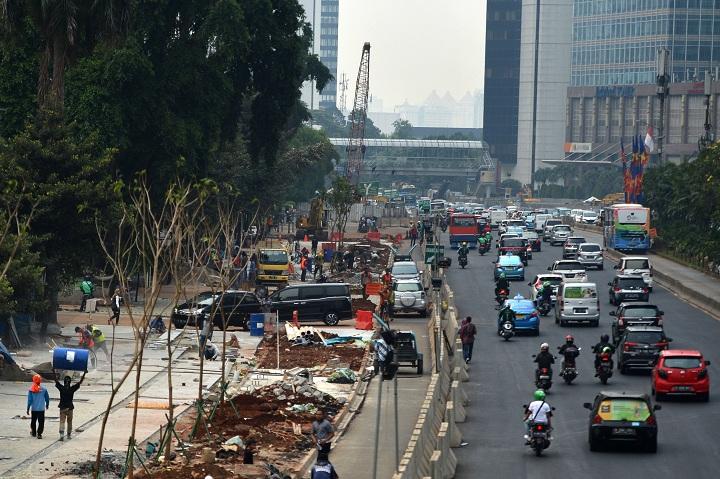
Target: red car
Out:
[681,372]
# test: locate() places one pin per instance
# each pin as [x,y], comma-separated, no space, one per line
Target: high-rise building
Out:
[329,13]
[312,16]
[502,77]
[615,41]
[544,77]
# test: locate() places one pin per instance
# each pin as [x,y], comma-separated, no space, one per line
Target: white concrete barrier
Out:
[458,394]
[449,461]
[454,434]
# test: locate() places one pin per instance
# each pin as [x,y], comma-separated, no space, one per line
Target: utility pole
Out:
[708,138]
[663,89]
[535,94]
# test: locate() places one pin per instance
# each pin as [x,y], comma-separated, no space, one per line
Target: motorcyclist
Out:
[538,412]
[544,360]
[569,351]
[506,315]
[464,250]
[502,283]
[545,293]
[599,348]
[482,241]
[488,237]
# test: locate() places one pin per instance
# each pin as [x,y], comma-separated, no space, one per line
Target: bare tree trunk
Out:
[171,410]
[138,372]
[57,92]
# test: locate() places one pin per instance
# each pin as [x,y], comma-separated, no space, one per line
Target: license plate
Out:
[631,296]
[624,431]
[580,310]
[683,389]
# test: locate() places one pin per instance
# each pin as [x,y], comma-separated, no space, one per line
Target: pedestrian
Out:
[467,337]
[249,452]
[323,468]
[99,340]
[319,262]
[365,279]
[39,401]
[387,279]
[314,244]
[205,334]
[303,266]
[322,432]
[349,258]
[88,291]
[413,235]
[115,303]
[383,353]
[211,351]
[67,392]
[252,268]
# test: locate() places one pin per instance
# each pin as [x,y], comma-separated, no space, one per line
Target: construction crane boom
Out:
[356,147]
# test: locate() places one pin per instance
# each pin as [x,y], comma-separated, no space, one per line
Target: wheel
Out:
[704,397]
[563,323]
[658,396]
[420,366]
[610,300]
[423,313]
[601,267]
[623,369]
[568,380]
[331,318]
[557,321]
[651,446]
[594,445]
[538,451]
[603,379]
[537,333]
[595,323]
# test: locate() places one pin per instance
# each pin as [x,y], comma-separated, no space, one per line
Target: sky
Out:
[417,46]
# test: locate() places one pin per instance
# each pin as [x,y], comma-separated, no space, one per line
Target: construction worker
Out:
[88,291]
[303,266]
[319,262]
[99,340]
[365,279]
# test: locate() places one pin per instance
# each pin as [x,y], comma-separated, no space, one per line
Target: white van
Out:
[540,219]
[576,215]
[636,266]
[577,302]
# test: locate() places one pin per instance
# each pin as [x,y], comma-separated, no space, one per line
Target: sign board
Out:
[369,189]
[508,193]
[432,250]
[578,147]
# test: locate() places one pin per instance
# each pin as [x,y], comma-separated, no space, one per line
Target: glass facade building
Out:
[502,78]
[615,42]
[328,49]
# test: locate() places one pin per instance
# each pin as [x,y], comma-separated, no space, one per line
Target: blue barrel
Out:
[70,359]
[257,324]
[328,255]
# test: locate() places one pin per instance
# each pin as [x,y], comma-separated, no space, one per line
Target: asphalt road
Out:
[502,380]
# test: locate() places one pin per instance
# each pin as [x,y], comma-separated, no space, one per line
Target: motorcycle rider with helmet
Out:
[569,351]
[538,412]
[502,283]
[482,242]
[599,348]
[506,315]
[545,293]
[463,250]
[544,360]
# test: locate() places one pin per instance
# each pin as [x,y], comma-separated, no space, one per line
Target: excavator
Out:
[314,224]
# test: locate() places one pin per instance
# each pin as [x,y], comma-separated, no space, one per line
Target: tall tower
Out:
[329,15]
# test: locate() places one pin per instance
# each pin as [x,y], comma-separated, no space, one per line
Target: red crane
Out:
[356,147]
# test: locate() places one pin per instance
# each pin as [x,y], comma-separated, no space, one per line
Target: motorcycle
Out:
[463,261]
[604,370]
[539,437]
[507,330]
[544,379]
[569,369]
[483,248]
[544,308]
[501,296]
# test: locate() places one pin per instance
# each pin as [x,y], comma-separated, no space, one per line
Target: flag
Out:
[649,141]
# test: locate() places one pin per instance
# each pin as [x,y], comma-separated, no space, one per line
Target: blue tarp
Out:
[6,354]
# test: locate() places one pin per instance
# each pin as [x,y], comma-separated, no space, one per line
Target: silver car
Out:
[405,270]
[559,234]
[570,247]
[590,255]
[548,226]
[408,296]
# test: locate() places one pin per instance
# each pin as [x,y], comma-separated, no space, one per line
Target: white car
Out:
[570,269]
[590,254]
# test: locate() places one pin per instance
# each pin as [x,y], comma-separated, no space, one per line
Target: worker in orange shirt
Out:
[303,266]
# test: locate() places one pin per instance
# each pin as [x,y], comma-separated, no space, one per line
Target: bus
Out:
[626,227]
[463,227]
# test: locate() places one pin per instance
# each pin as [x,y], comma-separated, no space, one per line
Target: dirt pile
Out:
[306,356]
[364,304]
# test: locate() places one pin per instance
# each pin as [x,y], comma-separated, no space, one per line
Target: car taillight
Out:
[660,321]
[645,290]
[597,419]
[650,420]
[662,373]
[702,374]
[422,295]
[627,346]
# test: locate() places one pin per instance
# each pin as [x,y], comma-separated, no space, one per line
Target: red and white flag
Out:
[649,141]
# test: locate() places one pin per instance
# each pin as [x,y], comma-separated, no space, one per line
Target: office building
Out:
[543,86]
[322,15]
[502,76]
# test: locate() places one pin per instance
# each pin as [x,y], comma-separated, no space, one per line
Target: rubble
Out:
[307,356]
[363,304]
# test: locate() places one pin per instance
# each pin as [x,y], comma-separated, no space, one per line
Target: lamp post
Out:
[708,138]
[662,79]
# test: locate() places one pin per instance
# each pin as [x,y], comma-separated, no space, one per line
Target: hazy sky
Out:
[416,46]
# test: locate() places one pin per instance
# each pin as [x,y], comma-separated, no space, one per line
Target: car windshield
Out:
[569,266]
[640,313]
[636,264]
[561,228]
[552,222]
[516,223]
[553,281]
[580,292]
[530,234]
[576,240]
[683,362]
[589,214]
[408,287]
[273,257]
[462,221]
[645,337]
[404,269]
[590,248]
[207,301]
[513,243]
[631,283]
[613,409]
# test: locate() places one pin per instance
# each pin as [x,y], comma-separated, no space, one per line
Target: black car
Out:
[628,288]
[634,314]
[640,347]
[327,302]
[625,418]
[229,308]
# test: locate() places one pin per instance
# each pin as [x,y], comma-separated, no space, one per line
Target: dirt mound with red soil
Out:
[306,356]
[363,304]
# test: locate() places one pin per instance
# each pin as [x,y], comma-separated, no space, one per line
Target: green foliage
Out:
[340,198]
[403,130]
[18,77]
[335,126]
[578,181]
[515,185]
[685,201]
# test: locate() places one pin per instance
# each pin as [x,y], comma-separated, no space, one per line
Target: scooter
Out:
[501,296]
[539,437]
[569,369]
[507,330]
[544,379]
[604,370]
[544,308]
[483,248]
[463,261]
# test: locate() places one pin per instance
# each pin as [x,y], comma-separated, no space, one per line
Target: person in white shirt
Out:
[538,412]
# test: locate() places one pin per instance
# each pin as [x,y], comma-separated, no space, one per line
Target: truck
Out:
[497,216]
[273,266]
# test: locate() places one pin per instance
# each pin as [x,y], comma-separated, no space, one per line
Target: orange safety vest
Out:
[303,263]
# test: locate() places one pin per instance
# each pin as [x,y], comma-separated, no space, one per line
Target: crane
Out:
[356,147]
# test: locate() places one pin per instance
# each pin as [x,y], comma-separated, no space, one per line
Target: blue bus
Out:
[626,227]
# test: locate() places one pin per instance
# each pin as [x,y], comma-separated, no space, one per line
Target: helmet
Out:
[569,338]
[544,347]
[604,338]
[464,243]
[546,284]
[539,395]
[502,275]
[607,349]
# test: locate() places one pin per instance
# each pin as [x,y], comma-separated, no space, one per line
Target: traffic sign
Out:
[432,250]
[369,189]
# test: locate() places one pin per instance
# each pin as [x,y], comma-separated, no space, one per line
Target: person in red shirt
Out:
[303,266]
[467,337]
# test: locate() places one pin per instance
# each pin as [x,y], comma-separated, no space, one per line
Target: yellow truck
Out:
[273,266]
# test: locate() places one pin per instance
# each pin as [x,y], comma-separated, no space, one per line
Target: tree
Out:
[340,199]
[515,185]
[403,129]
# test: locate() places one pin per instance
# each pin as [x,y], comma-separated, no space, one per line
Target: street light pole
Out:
[663,81]
[707,139]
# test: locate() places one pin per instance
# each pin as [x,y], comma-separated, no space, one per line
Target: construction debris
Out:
[310,355]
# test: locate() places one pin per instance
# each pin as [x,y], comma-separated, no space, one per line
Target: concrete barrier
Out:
[461,374]
[458,394]
[443,445]
[454,433]
[460,414]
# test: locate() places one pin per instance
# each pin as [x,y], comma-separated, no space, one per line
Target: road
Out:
[502,380]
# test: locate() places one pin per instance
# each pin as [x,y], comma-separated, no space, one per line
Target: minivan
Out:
[636,266]
[577,302]
[327,302]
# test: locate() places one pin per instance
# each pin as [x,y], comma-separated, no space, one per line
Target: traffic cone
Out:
[295,320]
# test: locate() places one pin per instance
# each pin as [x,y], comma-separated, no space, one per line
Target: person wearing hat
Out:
[39,401]
[67,393]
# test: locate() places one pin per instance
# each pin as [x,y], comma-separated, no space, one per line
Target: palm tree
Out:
[62,26]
